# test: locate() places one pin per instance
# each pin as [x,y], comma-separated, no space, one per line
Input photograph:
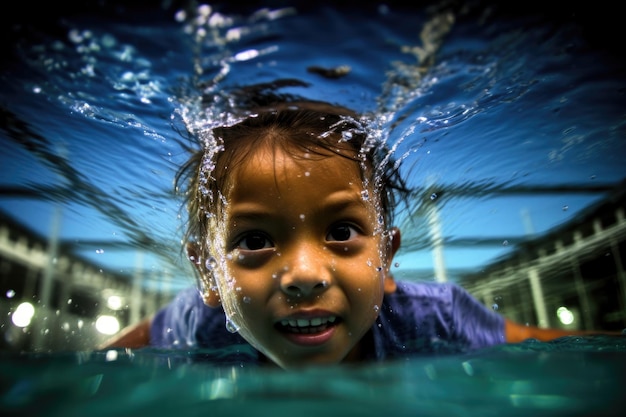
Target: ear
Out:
[210,295]
[394,245]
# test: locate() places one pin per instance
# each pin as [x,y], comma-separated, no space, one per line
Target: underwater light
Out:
[23,314]
[107,325]
[114,302]
[565,315]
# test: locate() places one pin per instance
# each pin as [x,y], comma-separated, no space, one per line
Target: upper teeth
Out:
[306,323]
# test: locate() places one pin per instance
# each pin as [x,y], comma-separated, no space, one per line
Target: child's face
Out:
[305,271]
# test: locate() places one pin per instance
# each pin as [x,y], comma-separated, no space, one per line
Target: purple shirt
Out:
[419,318]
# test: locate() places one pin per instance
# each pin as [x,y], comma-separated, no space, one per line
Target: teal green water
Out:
[569,377]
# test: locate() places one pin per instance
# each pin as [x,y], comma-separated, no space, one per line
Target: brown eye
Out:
[254,241]
[341,233]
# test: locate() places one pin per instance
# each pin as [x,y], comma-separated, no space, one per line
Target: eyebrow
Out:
[335,202]
[342,199]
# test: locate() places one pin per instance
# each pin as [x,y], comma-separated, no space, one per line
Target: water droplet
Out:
[397,264]
[247,299]
[99,251]
[376,308]
[565,207]
[231,326]
[302,216]
[433,196]
[10,293]
[505,243]
[495,307]
[210,263]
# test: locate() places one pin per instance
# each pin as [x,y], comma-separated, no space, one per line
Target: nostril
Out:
[293,289]
[300,290]
[321,285]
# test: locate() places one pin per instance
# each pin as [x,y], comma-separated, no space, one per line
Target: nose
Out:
[307,272]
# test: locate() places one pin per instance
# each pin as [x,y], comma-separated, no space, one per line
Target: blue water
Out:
[516,111]
[509,101]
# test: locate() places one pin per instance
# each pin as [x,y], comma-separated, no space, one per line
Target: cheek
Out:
[365,275]
[248,287]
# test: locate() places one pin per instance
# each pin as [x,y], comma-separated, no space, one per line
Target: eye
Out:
[341,233]
[254,241]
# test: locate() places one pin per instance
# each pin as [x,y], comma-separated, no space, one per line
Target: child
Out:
[291,234]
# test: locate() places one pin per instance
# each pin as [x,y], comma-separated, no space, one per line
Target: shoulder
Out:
[188,297]
[447,311]
[421,300]
[433,291]
[186,321]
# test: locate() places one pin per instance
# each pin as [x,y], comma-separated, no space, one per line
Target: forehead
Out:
[276,170]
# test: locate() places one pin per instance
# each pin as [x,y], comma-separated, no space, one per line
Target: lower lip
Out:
[311,339]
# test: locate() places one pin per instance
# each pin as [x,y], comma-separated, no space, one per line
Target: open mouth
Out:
[306,326]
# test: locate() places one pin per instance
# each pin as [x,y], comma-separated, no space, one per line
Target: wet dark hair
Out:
[318,129]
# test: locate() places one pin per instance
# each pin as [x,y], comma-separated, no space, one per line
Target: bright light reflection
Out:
[23,314]
[565,315]
[107,325]
[114,302]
